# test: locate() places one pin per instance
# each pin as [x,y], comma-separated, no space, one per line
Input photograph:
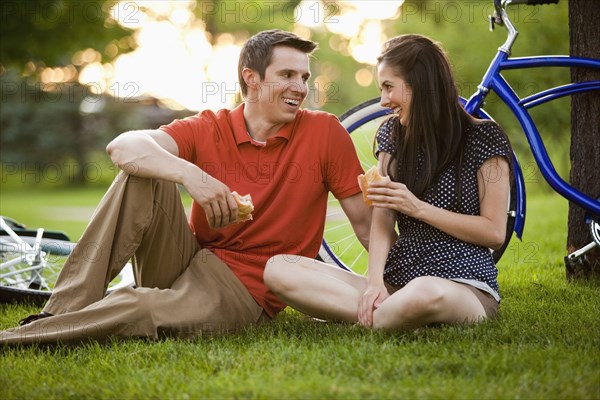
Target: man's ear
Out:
[250,77]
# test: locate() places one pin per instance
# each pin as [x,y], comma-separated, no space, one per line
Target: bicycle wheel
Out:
[340,246]
[28,273]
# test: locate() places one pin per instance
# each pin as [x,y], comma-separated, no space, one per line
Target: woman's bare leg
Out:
[315,288]
[426,300]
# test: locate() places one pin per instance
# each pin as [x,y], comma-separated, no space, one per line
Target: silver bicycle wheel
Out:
[29,265]
[340,246]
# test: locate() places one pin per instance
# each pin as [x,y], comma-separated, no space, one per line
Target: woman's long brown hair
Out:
[436,120]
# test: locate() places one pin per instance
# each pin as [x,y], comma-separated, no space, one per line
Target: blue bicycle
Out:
[362,122]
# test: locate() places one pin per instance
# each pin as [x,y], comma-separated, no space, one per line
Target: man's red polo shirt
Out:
[288,178]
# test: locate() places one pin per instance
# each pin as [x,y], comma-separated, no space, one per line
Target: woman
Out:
[450,181]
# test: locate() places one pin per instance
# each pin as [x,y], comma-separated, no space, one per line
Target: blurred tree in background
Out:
[51,114]
[48,32]
[42,123]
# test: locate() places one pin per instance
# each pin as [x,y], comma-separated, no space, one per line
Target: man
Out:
[206,275]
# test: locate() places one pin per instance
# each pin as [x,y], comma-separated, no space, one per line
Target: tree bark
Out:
[585,134]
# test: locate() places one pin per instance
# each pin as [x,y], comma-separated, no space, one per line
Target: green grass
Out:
[62,208]
[58,208]
[545,343]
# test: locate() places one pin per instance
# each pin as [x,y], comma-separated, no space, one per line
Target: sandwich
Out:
[364,180]
[245,207]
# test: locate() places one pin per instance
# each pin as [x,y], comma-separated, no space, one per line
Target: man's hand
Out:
[214,197]
[155,155]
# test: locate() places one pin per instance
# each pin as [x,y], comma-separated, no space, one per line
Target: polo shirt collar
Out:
[240,131]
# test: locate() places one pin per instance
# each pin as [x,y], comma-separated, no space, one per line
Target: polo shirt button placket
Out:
[261,167]
[266,163]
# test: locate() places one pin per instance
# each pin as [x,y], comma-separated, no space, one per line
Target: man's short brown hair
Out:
[257,51]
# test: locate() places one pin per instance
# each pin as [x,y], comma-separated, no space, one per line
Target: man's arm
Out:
[154,154]
[149,154]
[359,215]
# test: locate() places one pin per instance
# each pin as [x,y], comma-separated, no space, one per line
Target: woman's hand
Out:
[370,301]
[395,196]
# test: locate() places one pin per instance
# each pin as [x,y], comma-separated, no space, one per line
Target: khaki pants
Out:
[182,290]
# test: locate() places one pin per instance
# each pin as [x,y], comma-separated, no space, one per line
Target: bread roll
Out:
[364,180]
[245,207]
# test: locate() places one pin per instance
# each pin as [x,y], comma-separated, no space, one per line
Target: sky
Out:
[175,62]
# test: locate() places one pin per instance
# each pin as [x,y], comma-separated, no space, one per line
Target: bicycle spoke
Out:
[337,227]
[344,246]
[363,251]
[346,238]
[347,248]
[367,139]
[361,154]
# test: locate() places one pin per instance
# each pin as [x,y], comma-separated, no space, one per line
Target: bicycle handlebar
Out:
[500,17]
[534,2]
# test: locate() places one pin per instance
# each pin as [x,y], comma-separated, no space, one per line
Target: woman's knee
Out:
[424,296]
[277,274]
[419,301]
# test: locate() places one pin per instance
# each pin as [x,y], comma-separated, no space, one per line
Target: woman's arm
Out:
[381,239]
[383,235]
[487,229]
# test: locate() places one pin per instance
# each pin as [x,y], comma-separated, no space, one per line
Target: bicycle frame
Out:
[33,256]
[27,270]
[493,80]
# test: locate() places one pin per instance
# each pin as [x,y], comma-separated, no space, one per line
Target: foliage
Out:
[235,16]
[46,124]
[55,129]
[49,32]
[70,134]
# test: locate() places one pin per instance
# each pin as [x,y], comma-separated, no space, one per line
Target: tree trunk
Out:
[585,133]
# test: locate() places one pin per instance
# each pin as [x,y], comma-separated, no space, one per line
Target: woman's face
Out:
[395,92]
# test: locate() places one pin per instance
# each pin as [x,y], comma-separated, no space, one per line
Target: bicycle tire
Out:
[330,251]
[346,252]
[24,282]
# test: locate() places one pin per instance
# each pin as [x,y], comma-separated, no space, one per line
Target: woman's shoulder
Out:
[486,138]
[386,128]
[384,135]
[388,124]
[485,131]
[484,126]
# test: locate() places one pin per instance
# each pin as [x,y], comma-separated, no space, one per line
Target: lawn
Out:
[545,343]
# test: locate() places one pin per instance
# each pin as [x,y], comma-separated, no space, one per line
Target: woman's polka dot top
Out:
[421,249]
